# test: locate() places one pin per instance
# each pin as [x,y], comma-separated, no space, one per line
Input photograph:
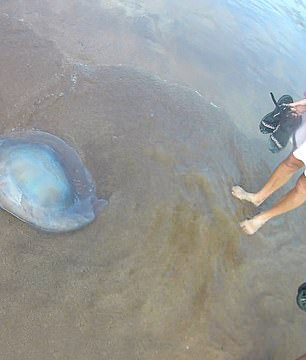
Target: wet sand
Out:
[164,272]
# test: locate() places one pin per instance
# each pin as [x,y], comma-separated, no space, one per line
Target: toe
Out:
[236,191]
[245,226]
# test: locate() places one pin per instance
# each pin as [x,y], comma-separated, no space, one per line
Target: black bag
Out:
[301,297]
[280,123]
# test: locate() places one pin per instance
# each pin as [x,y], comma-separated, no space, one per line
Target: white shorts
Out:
[300,138]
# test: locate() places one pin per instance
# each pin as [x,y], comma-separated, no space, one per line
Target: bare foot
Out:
[251,226]
[241,194]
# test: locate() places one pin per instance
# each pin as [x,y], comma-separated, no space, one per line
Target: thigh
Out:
[300,153]
[294,162]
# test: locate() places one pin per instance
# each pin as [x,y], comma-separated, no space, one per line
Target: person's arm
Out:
[298,108]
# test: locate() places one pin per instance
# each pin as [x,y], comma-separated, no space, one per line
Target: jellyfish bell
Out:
[44,182]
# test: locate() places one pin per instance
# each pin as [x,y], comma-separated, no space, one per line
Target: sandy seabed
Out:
[164,273]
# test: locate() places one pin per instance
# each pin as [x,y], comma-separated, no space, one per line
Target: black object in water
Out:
[301,297]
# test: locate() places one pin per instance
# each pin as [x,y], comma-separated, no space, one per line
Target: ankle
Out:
[262,217]
[258,198]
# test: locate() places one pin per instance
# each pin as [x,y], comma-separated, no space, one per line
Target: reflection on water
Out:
[235,51]
[165,272]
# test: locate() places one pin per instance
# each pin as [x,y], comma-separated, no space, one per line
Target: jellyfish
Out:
[44,183]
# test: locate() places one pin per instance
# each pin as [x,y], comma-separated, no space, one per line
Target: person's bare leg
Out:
[293,199]
[279,178]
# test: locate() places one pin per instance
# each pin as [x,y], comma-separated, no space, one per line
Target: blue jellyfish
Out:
[44,182]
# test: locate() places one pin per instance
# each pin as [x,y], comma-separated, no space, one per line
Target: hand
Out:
[298,108]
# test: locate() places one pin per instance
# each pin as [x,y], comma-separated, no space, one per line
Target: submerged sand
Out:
[164,272]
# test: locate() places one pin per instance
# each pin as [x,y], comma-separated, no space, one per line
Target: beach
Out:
[165,271]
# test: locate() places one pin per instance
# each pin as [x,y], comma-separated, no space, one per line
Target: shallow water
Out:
[165,272]
[235,52]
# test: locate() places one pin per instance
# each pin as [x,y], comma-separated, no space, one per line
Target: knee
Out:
[301,185]
[292,163]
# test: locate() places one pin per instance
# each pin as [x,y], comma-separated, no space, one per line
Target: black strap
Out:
[273,99]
